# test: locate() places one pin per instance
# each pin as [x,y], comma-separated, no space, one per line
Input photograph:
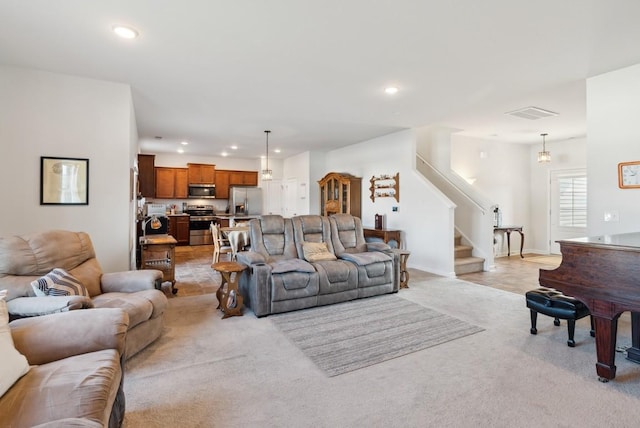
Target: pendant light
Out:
[544,156]
[267,174]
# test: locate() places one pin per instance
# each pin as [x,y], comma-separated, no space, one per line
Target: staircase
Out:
[464,261]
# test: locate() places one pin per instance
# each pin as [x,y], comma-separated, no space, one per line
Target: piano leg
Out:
[633,353]
[606,332]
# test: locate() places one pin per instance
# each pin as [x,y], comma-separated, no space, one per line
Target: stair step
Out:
[457,240]
[463,251]
[468,265]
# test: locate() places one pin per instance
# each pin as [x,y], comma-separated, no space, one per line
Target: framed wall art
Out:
[629,175]
[64,181]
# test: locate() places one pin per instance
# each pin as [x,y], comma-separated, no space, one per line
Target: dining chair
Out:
[220,245]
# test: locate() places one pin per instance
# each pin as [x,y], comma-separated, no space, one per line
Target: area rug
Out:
[348,336]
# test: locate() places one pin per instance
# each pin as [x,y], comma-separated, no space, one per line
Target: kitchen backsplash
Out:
[219,205]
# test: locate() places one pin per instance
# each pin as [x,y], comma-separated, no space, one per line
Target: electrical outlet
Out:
[611,216]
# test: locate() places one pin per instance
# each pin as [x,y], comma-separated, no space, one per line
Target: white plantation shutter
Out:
[572,201]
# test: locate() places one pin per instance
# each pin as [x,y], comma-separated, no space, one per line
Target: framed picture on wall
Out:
[64,181]
[629,175]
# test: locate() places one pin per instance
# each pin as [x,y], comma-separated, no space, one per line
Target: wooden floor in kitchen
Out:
[518,275]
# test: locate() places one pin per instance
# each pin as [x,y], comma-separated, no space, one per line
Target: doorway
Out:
[568,206]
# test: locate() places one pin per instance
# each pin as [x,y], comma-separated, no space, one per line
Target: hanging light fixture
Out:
[544,156]
[267,174]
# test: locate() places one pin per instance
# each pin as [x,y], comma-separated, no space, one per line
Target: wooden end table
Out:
[229,298]
[159,252]
[385,234]
[404,274]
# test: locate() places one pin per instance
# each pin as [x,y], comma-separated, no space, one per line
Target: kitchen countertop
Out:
[240,216]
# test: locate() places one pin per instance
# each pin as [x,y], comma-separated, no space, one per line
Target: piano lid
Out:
[622,240]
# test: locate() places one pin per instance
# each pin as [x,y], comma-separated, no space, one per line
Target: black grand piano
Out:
[603,272]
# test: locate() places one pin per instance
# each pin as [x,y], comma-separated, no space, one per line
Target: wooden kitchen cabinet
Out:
[200,173]
[179,228]
[146,176]
[222,184]
[182,183]
[243,178]
[340,193]
[171,183]
[226,178]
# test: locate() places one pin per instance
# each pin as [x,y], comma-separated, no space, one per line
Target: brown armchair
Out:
[24,259]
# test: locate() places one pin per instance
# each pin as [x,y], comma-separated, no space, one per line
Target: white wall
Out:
[613,103]
[47,114]
[296,183]
[510,175]
[425,221]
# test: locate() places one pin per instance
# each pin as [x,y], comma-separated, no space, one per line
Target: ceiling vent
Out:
[531,113]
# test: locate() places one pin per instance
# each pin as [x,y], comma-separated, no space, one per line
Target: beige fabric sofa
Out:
[76,373]
[28,257]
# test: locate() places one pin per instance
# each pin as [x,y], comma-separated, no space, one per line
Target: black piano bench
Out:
[553,303]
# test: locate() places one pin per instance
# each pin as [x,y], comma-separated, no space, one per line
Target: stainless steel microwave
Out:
[202,191]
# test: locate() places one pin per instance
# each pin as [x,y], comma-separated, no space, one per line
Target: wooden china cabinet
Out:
[340,193]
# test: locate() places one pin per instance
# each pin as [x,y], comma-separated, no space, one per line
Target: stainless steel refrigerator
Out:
[245,201]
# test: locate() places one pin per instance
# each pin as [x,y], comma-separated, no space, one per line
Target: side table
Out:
[159,252]
[508,230]
[385,234]
[404,274]
[229,298]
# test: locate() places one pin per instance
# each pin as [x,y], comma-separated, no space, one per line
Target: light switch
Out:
[611,216]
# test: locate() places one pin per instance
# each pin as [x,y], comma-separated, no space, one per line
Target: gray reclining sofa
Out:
[312,260]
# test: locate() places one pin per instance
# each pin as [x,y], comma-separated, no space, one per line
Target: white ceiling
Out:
[218,73]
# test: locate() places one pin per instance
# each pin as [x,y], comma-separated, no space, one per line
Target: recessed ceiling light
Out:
[234,147]
[277,150]
[125,32]
[391,90]
[224,154]
[180,151]
[184,143]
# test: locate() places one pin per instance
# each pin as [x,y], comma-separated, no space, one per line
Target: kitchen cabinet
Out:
[243,178]
[222,221]
[179,228]
[340,193]
[222,184]
[226,178]
[171,183]
[146,176]
[200,173]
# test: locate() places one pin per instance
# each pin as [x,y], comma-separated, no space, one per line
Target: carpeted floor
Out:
[243,371]
[348,336]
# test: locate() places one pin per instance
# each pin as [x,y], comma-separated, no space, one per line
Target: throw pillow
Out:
[58,282]
[316,251]
[13,365]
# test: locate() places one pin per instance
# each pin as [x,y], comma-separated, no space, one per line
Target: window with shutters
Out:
[572,210]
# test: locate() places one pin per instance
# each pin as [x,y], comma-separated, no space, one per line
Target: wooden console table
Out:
[508,230]
[159,252]
[385,234]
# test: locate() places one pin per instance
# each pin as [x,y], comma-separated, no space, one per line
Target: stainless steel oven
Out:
[200,218]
